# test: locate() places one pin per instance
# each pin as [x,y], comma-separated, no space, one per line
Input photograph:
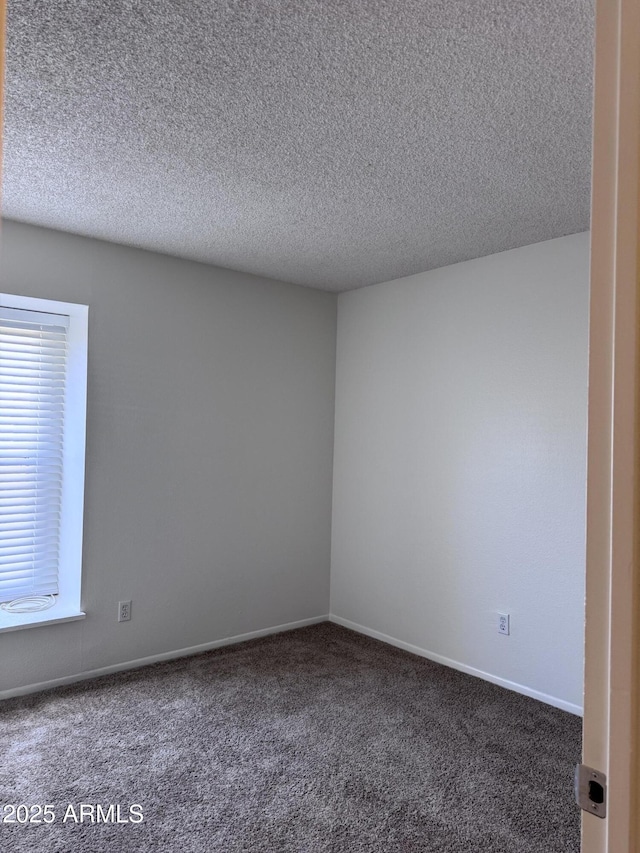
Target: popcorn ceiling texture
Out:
[332,144]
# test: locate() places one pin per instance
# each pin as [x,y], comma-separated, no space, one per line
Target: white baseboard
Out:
[163,656]
[470,670]
[290,626]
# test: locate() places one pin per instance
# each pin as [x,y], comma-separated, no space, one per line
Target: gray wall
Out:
[459,472]
[209,451]
[460,464]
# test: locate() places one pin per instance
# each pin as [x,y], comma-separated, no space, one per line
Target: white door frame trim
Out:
[610,716]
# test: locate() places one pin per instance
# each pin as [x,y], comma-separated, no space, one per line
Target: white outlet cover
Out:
[124,611]
[503,624]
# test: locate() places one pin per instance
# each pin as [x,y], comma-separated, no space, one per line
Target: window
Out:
[43,381]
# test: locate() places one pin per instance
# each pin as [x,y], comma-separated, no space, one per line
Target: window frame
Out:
[68,601]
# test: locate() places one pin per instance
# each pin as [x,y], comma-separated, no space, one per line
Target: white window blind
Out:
[33,378]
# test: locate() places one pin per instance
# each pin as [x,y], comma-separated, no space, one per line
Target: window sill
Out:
[57,613]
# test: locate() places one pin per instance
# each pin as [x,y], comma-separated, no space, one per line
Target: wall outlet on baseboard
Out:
[503,623]
[124,611]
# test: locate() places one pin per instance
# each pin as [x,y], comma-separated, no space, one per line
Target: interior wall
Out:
[460,465]
[209,452]
[459,469]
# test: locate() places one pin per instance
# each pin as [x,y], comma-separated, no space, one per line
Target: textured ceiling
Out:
[331,143]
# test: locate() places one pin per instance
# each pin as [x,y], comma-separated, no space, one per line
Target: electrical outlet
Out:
[124,611]
[503,623]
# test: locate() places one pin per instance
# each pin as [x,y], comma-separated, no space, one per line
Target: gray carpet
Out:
[317,740]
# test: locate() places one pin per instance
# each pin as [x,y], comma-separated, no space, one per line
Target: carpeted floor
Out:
[315,741]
